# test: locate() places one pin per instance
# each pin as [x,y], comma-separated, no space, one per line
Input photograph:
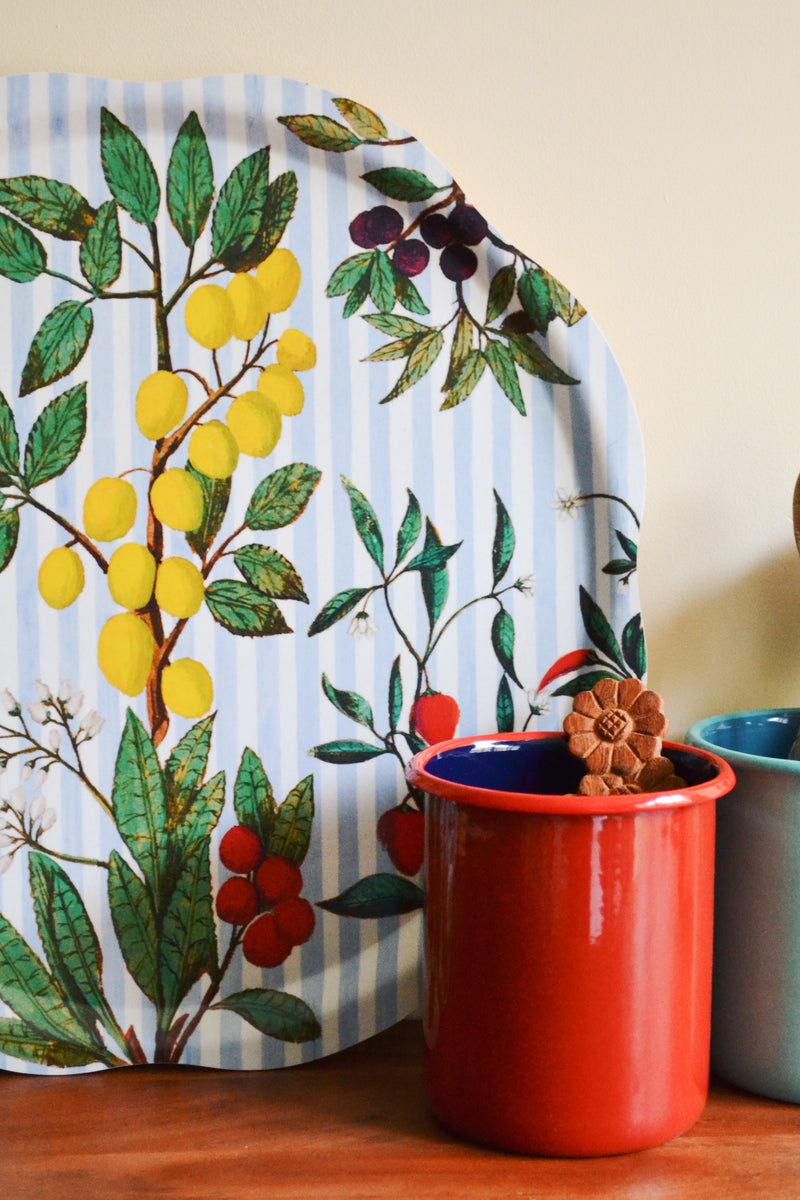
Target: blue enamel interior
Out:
[767,734]
[541,766]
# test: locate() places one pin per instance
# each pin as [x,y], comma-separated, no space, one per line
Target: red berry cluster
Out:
[453,234]
[263,894]
[382,225]
[401,832]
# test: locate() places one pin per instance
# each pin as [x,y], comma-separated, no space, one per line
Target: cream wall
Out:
[647,154]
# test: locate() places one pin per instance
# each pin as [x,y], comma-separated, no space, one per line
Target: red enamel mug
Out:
[568,944]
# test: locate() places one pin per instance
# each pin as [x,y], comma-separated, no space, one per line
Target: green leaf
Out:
[409,296]
[282,496]
[433,554]
[291,834]
[253,798]
[336,608]
[346,751]
[410,527]
[347,274]
[633,646]
[240,208]
[359,294]
[244,610]
[535,297]
[382,895]
[47,205]
[628,545]
[503,642]
[278,211]
[599,630]
[270,572]
[101,249]
[381,282]
[188,944]
[502,366]
[460,349]
[323,133]
[393,350]
[58,345]
[70,943]
[139,803]
[465,383]
[196,815]
[186,765]
[22,256]
[351,704]
[529,355]
[30,991]
[216,494]
[583,683]
[395,694]
[504,708]
[134,924]
[420,361]
[18,1039]
[56,437]
[560,297]
[435,581]
[501,291]
[9,443]
[366,523]
[277,1014]
[394,325]
[366,123]
[9,534]
[190,181]
[128,170]
[504,541]
[402,183]
[619,566]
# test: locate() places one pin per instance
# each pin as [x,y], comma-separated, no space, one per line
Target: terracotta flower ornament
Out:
[617,729]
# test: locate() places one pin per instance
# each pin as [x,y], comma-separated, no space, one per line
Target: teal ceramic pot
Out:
[755,1029]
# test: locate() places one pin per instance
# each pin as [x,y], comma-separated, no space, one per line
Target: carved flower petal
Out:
[607,691]
[599,760]
[577,723]
[587,703]
[645,746]
[629,690]
[646,702]
[654,723]
[658,775]
[625,761]
[606,785]
[582,743]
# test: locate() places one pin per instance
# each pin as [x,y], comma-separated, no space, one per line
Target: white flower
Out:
[6,840]
[74,705]
[526,584]
[39,779]
[42,690]
[64,690]
[38,712]
[9,702]
[538,707]
[362,625]
[26,773]
[568,504]
[38,805]
[92,723]
[49,819]
[16,800]
[5,863]
[54,740]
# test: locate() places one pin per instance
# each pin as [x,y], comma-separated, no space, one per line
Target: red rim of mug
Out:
[566,805]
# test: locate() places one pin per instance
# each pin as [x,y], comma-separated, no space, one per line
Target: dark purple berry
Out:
[411,257]
[458,262]
[467,225]
[436,231]
[361,233]
[384,224]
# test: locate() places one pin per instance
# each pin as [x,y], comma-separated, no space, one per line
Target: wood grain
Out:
[353,1126]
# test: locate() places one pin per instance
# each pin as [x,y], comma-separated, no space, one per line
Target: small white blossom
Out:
[54,740]
[362,625]
[9,702]
[5,863]
[16,800]
[39,779]
[49,819]
[64,692]
[26,773]
[38,806]
[537,707]
[568,504]
[38,712]
[92,723]
[526,584]
[74,705]
[42,690]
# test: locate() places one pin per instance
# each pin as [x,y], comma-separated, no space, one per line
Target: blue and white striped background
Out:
[358,976]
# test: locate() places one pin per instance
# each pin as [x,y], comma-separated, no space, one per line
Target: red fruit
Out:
[467,224]
[263,945]
[411,257]
[401,832]
[237,902]
[240,850]
[295,920]
[436,231]
[458,262]
[434,717]
[277,879]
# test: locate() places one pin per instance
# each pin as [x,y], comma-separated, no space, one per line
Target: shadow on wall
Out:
[739,648]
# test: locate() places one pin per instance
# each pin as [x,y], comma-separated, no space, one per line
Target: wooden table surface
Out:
[354,1125]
